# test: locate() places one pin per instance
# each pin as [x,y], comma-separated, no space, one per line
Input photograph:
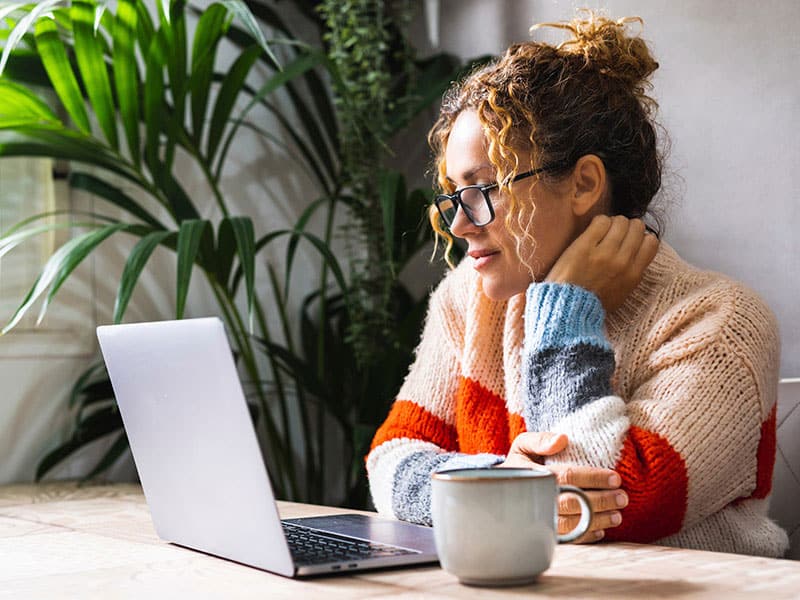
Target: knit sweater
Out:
[676,391]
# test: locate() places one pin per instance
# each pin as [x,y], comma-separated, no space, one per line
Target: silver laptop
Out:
[201,467]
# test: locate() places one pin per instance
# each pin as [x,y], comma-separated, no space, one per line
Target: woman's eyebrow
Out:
[466,175]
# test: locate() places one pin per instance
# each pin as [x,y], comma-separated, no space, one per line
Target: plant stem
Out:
[213,182]
[281,391]
[238,330]
[299,384]
[321,342]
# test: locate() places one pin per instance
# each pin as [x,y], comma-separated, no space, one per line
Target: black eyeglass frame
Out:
[455,197]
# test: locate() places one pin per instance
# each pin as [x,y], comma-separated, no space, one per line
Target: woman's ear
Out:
[589,186]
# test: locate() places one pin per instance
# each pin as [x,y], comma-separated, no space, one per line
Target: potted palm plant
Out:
[135,91]
[132,89]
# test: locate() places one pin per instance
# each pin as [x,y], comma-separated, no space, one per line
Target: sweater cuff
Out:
[411,489]
[470,461]
[561,314]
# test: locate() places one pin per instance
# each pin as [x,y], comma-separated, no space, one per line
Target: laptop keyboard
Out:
[311,547]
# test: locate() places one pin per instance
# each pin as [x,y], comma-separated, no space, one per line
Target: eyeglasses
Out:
[474,201]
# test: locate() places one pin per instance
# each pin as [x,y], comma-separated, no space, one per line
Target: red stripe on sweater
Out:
[481,419]
[654,476]
[409,420]
[767,446]
[516,425]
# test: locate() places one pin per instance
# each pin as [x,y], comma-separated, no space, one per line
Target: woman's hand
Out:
[600,485]
[609,259]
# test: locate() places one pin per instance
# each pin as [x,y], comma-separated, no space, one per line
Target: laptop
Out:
[201,467]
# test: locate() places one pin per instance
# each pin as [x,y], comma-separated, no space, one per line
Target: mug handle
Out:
[586,514]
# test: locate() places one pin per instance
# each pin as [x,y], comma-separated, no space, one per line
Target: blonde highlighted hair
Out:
[548,105]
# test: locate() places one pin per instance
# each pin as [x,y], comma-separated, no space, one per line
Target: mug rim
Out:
[515,474]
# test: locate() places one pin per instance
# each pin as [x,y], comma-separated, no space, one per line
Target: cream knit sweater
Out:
[676,390]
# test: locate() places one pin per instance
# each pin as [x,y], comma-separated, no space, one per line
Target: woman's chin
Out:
[501,290]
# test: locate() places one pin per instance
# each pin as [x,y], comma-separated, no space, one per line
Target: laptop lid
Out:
[192,440]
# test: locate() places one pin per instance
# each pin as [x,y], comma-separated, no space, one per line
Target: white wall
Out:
[729,94]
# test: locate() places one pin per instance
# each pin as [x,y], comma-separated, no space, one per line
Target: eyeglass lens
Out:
[473,203]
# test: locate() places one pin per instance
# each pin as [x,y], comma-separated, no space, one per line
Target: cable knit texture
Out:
[675,390]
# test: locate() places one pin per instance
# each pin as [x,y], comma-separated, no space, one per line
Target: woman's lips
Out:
[483,257]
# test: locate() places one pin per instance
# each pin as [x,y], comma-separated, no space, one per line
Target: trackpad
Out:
[374,529]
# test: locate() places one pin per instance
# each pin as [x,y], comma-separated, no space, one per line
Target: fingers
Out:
[586,477]
[601,487]
[646,253]
[600,501]
[591,537]
[597,230]
[634,236]
[600,522]
[539,443]
[616,233]
[628,250]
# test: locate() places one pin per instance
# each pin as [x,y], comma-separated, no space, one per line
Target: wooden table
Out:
[59,540]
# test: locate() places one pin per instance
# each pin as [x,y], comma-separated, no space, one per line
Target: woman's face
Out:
[492,249]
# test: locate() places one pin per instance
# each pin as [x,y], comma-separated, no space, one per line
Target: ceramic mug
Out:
[497,526]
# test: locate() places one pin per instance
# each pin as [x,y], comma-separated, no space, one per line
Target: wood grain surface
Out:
[62,540]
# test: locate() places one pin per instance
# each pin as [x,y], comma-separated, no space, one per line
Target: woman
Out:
[570,336]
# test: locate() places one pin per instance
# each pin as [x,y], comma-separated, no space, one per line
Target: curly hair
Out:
[587,95]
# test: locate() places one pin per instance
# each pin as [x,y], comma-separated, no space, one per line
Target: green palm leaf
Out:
[83,382]
[15,237]
[136,262]
[20,104]
[174,35]
[59,265]
[324,172]
[60,142]
[291,248]
[313,131]
[52,149]
[242,13]
[93,70]
[21,28]
[321,247]
[81,249]
[145,29]
[391,189]
[232,85]
[99,424]
[154,103]
[225,251]
[112,194]
[57,65]
[25,66]
[210,29]
[111,455]
[189,238]
[126,75]
[246,246]
[299,66]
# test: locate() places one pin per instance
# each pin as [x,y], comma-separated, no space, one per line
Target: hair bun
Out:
[606,46]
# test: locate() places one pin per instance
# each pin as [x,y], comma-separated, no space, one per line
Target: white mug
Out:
[497,526]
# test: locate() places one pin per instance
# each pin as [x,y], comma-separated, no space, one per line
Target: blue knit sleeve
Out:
[567,359]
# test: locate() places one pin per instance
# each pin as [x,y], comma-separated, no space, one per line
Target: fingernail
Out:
[616,518]
[621,500]
[614,480]
[598,535]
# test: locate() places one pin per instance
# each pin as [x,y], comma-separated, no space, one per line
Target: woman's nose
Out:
[462,226]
